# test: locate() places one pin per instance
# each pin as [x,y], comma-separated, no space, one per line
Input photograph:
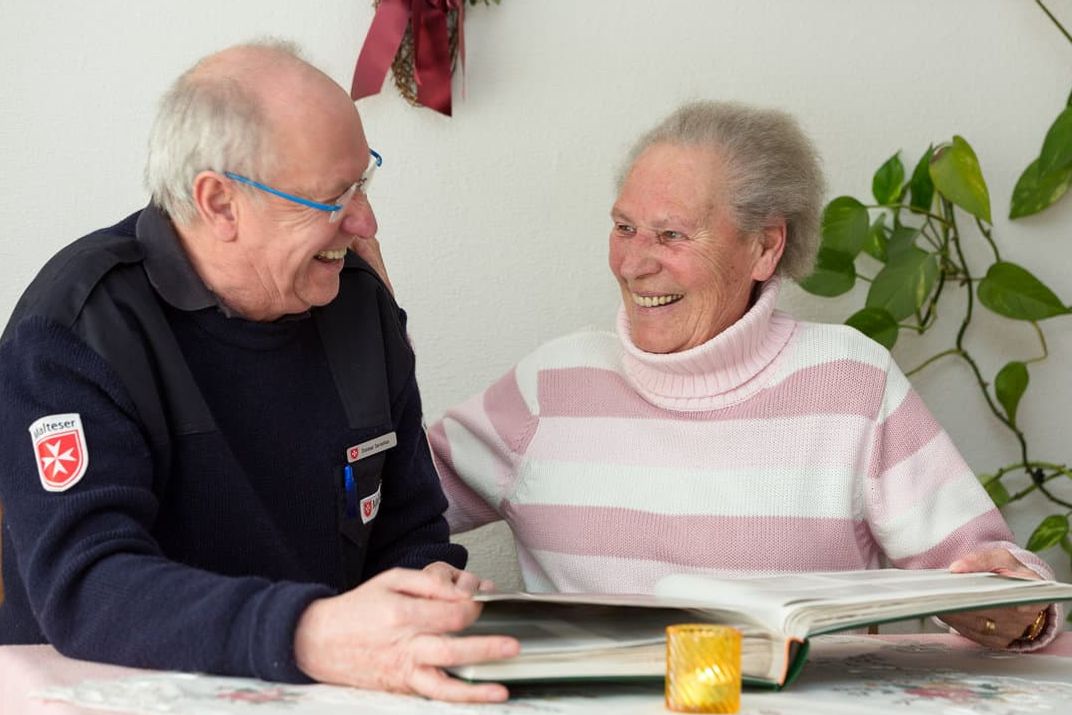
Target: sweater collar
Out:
[720,372]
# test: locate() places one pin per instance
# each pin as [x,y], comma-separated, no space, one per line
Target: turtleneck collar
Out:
[726,369]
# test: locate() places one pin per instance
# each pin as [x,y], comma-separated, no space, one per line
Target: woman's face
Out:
[685,271]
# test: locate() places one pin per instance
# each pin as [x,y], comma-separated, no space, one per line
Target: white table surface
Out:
[845,674]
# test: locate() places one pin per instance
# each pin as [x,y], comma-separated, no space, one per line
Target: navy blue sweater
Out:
[208,569]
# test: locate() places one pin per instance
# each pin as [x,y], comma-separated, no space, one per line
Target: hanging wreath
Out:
[421,41]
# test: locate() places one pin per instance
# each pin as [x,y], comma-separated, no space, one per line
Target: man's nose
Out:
[359,219]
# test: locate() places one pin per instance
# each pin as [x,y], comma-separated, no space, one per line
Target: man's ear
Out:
[214,197]
[771,243]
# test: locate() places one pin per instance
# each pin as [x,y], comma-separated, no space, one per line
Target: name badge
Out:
[373,446]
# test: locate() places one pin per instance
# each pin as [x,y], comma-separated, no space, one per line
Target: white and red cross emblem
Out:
[60,450]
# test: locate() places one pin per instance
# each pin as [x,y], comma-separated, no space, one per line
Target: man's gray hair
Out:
[772,170]
[208,121]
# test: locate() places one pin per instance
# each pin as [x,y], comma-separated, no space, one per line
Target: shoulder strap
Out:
[353,333]
[108,302]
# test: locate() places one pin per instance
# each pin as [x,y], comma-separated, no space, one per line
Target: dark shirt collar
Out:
[169,268]
[170,271]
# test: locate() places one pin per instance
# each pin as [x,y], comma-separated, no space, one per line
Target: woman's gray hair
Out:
[772,169]
[208,121]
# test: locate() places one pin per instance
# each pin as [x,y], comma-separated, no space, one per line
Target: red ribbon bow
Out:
[431,49]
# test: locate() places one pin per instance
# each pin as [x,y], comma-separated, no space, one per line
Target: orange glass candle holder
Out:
[703,668]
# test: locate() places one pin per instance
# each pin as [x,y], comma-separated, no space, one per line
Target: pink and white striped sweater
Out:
[778,446]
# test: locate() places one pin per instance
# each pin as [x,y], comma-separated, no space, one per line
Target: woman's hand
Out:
[995,627]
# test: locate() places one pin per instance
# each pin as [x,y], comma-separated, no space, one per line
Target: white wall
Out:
[494,222]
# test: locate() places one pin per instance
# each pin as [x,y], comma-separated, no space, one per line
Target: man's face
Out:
[684,269]
[292,254]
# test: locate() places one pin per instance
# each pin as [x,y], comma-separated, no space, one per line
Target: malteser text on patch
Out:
[49,427]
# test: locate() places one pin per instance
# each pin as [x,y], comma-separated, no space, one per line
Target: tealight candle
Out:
[703,668]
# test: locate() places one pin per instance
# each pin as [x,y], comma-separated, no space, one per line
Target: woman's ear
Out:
[215,200]
[771,242]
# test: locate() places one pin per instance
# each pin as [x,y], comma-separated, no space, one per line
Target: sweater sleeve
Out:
[924,505]
[97,582]
[478,448]
[410,531]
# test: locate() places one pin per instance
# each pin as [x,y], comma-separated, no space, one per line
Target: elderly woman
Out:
[713,433]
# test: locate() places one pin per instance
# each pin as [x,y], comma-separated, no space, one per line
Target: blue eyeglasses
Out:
[335,208]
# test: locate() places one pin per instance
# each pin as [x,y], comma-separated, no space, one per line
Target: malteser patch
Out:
[60,448]
[370,506]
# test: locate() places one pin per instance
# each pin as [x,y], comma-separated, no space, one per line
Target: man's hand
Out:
[994,628]
[465,580]
[368,248]
[390,633]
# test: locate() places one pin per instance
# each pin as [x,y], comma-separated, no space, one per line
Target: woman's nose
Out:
[639,259]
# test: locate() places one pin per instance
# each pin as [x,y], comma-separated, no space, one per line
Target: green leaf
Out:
[921,187]
[1012,291]
[904,284]
[876,324]
[1009,386]
[956,175]
[902,239]
[1057,146]
[1048,533]
[834,274]
[1066,546]
[888,181]
[845,225]
[875,243]
[998,493]
[1035,191]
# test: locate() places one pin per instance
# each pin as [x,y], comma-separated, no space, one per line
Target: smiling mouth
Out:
[656,301]
[329,256]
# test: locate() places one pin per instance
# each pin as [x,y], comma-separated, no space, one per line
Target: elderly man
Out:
[212,454]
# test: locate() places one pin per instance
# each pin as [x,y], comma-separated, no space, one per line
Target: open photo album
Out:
[568,636]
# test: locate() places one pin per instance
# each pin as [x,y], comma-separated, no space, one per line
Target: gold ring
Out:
[989,627]
[1035,629]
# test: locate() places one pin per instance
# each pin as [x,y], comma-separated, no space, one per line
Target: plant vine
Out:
[912,233]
